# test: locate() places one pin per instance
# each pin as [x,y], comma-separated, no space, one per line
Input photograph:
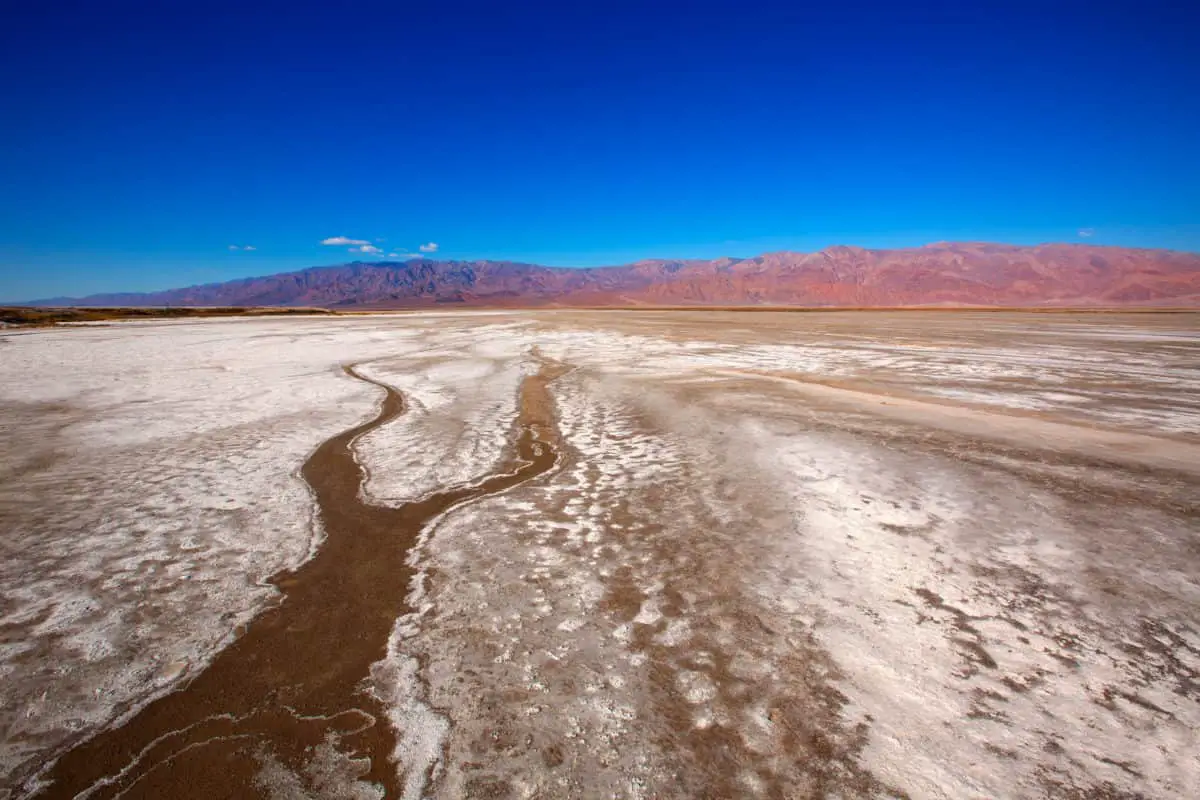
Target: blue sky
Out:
[142,140]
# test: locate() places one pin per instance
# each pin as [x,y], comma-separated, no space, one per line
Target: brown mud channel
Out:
[294,683]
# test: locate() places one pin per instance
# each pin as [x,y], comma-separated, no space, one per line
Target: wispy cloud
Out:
[365,246]
[402,253]
[343,240]
[1087,233]
[242,247]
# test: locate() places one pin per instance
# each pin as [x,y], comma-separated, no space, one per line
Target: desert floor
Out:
[602,554]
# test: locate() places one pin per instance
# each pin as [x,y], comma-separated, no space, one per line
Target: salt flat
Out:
[782,555]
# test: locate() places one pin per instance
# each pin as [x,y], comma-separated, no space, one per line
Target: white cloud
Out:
[239,247]
[365,246]
[249,247]
[342,240]
[1087,232]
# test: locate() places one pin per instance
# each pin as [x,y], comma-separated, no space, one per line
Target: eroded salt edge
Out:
[925,776]
[610,349]
[175,451]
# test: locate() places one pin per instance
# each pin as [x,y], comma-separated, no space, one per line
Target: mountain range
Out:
[941,274]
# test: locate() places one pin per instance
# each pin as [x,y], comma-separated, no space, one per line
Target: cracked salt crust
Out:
[714,557]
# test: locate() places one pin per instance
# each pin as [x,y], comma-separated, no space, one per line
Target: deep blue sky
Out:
[140,141]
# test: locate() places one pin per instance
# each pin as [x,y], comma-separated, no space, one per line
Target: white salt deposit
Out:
[821,587]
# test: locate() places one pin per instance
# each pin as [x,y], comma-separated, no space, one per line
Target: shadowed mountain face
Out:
[937,274]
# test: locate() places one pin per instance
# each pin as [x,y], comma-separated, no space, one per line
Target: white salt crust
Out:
[993,636]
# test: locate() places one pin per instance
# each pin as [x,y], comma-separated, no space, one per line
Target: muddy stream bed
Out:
[294,682]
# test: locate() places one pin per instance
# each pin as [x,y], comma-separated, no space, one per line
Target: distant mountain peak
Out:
[941,273]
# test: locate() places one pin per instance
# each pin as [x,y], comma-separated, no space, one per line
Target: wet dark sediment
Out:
[293,684]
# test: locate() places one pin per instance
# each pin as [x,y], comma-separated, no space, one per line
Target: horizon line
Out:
[422,257]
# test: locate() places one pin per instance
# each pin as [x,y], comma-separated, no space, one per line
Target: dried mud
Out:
[636,555]
[290,690]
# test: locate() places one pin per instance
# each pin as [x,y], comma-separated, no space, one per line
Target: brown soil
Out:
[293,682]
[43,317]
